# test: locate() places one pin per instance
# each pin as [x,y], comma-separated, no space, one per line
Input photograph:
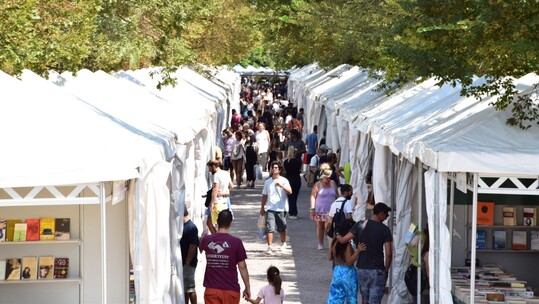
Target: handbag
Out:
[258,171]
[410,279]
[311,178]
[261,226]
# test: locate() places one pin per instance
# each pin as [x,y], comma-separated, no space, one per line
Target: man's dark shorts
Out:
[227,163]
[275,221]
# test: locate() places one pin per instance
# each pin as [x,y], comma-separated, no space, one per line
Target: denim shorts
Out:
[275,219]
[372,284]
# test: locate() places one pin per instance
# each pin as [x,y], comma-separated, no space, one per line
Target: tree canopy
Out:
[454,41]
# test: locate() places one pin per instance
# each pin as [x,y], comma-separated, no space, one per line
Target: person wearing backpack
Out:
[340,212]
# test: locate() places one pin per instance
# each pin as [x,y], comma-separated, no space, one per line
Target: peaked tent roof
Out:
[48,147]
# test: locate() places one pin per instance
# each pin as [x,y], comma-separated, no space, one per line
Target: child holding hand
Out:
[271,293]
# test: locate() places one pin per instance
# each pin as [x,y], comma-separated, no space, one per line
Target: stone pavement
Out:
[305,270]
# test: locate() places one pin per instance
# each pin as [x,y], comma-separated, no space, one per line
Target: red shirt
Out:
[223,253]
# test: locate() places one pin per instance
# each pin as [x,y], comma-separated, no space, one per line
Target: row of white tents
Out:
[99,139]
[416,141]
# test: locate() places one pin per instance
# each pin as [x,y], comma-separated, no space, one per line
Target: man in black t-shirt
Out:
[372,271]
[189,244]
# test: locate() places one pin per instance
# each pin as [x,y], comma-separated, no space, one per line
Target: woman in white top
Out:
[263,141]
[238,157]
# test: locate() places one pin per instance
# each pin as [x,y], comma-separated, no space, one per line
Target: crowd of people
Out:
[265,135]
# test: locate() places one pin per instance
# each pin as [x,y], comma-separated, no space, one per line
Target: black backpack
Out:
[340,224]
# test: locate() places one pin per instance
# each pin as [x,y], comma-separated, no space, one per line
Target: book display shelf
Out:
[54,256]
[506,229]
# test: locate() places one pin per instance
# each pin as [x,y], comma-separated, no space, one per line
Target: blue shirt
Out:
[311,139]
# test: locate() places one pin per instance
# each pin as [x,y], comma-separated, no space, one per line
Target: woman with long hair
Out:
[292,167]
[251,158]
[344,284]
[324,193]
[238,154]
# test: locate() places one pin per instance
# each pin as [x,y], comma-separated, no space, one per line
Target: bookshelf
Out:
[57,290]
[509,231]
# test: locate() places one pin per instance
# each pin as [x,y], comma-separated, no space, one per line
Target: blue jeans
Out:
[372,283]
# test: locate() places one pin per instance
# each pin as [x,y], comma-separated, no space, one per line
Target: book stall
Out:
[500,235]
[492,285]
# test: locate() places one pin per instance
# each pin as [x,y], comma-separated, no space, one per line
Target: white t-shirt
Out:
[267,293]
[222,179]
[277,197]
[262,141]
[348,208]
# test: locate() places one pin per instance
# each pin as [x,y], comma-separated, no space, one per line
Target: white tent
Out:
[445,131]
[82,150]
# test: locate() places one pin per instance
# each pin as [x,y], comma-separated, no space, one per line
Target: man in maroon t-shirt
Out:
[223,253]
[236,121]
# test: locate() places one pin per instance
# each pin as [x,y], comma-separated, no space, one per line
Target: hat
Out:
[324,147]
[380,207]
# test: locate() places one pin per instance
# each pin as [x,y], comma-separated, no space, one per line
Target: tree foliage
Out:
[405,39]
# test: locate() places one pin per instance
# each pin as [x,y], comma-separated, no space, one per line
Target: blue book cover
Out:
[481,240]
[498,239]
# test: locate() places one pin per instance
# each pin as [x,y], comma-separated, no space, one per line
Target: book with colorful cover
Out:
[10,229]
[62,227]
[46,267]
[46,228]
[61,268]
[13,269]
[19,232]
[2,270]
[32,230]
[499,239]
[485,213]
[530,216]
[509,216]
[3,231]
[410,233]
[481,240]
[519,240]
[29,268]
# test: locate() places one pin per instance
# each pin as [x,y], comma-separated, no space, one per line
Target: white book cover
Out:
[2,270]
[534,243]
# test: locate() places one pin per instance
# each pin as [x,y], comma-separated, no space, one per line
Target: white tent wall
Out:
[440,238]
[382,172]
[343,130]
[406,194]
[364,163]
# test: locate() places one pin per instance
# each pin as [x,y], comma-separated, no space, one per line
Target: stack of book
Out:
[492,285]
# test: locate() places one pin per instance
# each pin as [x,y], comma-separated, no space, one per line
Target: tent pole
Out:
[103,244]
[451,210]
[436,239]
[419,225]
[473,240]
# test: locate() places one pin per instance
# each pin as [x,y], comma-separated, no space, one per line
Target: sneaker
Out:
[320,246]
[293,217]
[284,247]
[270,251]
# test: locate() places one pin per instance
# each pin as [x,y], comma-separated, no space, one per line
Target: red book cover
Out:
[485,213]
[61,267]
[32,231]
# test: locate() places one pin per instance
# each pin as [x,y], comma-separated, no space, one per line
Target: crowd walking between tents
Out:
[261,140]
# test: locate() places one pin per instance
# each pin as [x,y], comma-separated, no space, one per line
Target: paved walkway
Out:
[306,271]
